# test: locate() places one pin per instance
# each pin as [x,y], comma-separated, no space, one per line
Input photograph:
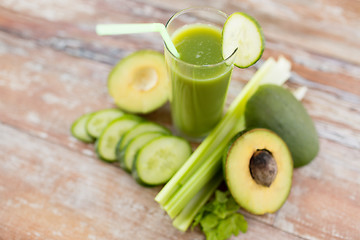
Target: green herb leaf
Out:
[209,221]
[212,234]
[232,206]
[232,225]
[219,218]
[226,206]
[221,197]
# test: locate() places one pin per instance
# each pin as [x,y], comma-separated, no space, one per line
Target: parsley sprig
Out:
[219,219]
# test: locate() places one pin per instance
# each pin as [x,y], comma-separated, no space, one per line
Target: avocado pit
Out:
[263,167]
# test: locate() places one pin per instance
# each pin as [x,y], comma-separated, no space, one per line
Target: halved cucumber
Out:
[134,146]
[134,132]
[244,33]
[110,136]
[98,121]
[78,129]
[139,82]
[158,160]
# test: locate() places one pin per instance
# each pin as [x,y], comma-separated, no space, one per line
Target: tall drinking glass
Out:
[200,77]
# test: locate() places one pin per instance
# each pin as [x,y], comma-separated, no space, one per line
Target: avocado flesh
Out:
[275,108]
[139,82]
[254,197]
[145,78]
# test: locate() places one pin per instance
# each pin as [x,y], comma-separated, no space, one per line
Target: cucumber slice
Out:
[244,33]
[159,159]
[78,129]
[98,121]
[134,146]
[110,136]
[139,82]
[134,132]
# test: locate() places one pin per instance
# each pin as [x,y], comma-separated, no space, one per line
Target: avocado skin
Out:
[275,108]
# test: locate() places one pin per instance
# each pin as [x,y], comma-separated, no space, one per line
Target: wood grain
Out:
[53,68]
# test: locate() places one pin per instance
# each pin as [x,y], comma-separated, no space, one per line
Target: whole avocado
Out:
[275,108]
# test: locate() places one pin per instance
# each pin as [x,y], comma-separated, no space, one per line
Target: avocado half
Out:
[139,82]
[274,107]
[258,170]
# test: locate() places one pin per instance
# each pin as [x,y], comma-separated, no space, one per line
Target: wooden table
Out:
[53,68]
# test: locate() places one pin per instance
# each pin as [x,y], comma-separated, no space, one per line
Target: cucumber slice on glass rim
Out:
[244,33]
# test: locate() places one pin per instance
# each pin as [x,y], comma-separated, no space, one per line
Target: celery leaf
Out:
[219,219]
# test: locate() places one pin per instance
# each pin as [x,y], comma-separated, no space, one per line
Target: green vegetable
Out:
[158,160]
[186,216]
[242,32]
[219,218]
[275,108]
[112,133]
[140,128]
[135,144]
[100,119]
[78,129]
[205,162]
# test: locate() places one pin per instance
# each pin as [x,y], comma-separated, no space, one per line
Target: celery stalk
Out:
[192,186]
[279,73]
[300,92]
[203,174]
[205,162]
[187,215]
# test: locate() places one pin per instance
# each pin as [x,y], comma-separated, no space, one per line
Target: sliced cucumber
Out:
[110,136]
[98,121]
[134,132]
[134,146]
[244,33]
[159,159]
[78,129]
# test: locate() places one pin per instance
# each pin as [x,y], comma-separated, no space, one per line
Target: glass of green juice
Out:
[200,76]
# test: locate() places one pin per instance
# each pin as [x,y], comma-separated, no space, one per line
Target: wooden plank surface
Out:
[53,68]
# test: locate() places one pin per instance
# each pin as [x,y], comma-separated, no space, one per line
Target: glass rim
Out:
[191,64]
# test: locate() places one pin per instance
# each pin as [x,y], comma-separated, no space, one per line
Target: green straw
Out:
[115,29]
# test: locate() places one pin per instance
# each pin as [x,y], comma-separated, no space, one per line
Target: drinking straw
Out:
[115,29]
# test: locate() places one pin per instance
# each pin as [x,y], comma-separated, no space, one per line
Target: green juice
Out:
[200,81]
